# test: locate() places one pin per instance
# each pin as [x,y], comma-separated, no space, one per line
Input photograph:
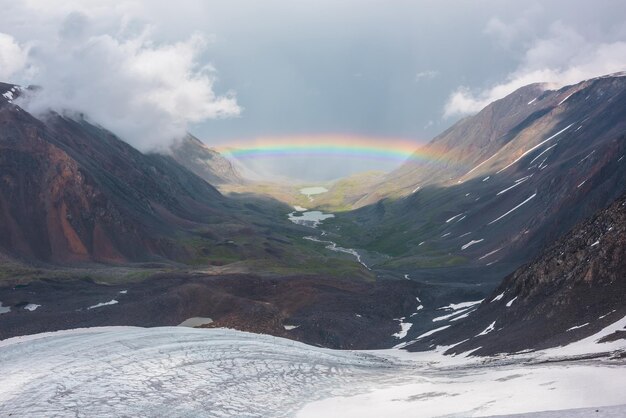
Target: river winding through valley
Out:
[313,218]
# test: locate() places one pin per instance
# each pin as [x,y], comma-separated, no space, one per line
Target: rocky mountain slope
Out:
[205,162]
[574,289]
[73,192]
[327,311]
[94,232]
[499,185]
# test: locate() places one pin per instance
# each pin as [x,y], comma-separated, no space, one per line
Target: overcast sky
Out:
[235,70]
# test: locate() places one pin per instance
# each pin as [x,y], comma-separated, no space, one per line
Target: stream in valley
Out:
[313,218]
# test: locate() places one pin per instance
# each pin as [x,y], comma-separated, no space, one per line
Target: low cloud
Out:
[564,57]
[146,92]
[508,33]
[12,57]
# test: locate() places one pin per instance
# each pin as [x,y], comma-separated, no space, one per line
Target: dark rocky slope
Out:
[575,288]
[325,311]
[72,192]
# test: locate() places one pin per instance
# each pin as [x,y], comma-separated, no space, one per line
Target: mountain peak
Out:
[205,162]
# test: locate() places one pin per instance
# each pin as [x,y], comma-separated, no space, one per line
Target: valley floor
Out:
[177,371]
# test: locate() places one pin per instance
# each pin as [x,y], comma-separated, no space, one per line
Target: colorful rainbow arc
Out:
[389,149]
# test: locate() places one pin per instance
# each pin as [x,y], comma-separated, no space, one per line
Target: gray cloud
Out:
[146,92]
[150,69]
[12,56]
[519,28]
[564,56]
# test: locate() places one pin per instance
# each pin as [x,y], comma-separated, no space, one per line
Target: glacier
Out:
[178,371]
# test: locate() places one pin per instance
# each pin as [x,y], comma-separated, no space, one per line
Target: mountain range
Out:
[86,216]
[518,192]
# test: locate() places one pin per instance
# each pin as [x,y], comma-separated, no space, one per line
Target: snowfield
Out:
[173,371]
[177,371]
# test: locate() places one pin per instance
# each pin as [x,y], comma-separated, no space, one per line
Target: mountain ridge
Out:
[555,167]
[205,162]
[73,192]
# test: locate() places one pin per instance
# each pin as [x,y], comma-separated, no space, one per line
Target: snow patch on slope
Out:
[453,218]
[534,148]
[472,242]
[563,101]
[457,306]
[514,209]
[453,314]
[498,297]
[577,326]
[479,165]
[432,331]
[101,304]
[4,309]
[490,253]
[489,329]
[404,329]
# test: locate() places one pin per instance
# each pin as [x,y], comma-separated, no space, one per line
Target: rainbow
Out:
[349,146]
